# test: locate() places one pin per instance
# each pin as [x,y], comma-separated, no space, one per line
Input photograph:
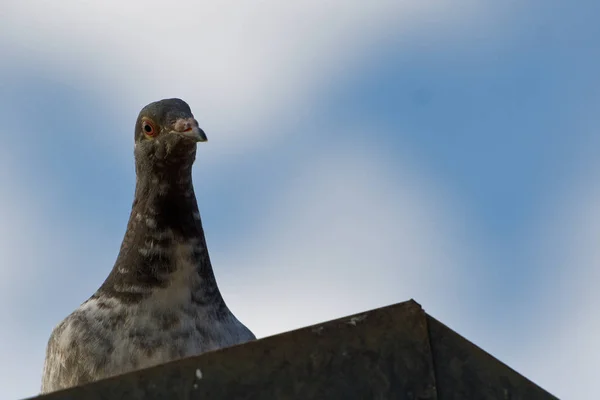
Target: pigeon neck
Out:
[164,246]
[168,197]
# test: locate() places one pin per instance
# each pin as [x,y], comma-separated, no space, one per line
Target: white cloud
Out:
[349,233]
[239,63]
[565,324]
[28,243]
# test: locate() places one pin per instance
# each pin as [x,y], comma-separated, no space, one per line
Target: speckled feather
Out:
[161,301]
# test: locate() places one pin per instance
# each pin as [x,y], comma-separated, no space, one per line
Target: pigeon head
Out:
[166,133]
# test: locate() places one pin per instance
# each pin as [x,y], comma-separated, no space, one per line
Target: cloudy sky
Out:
[358,156]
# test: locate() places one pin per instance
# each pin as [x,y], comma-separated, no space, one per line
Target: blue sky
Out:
[358,156]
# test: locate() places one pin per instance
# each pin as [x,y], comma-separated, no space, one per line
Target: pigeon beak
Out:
[195,133]
[189,128]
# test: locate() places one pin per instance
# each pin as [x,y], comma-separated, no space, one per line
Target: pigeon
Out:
[161,301]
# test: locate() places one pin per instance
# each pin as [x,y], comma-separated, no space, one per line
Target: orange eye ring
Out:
[148,128]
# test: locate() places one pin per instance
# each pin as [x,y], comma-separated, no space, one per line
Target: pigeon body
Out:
[160,302]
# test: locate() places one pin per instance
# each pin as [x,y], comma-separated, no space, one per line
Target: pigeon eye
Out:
[148,128]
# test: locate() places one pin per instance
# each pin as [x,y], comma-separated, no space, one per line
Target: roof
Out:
[397,352]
